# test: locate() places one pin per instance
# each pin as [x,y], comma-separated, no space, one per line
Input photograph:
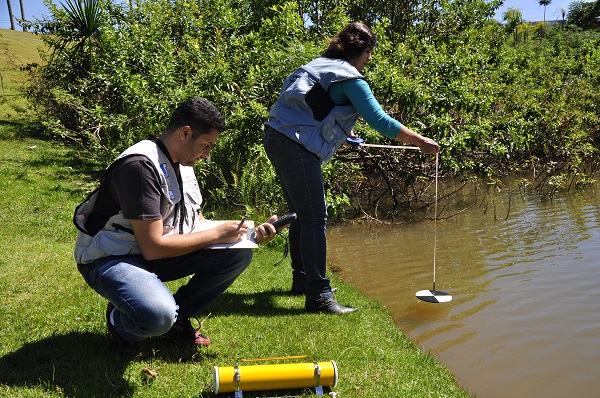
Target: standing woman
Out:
[316,111]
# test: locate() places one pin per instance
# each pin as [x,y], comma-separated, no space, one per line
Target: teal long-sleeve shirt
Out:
[358,92]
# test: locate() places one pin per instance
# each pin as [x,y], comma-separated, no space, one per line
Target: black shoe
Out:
[329,305]
[182,332]
[117,344]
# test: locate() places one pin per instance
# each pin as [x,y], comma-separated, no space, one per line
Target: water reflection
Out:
[523,320]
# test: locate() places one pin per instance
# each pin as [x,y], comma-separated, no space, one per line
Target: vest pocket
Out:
[103,244]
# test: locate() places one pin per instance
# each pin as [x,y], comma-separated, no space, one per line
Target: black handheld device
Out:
[279,223]
[284,220]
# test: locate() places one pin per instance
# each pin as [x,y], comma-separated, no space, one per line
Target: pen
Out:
[242,222]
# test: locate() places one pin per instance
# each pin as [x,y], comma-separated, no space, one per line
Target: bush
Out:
[495,106]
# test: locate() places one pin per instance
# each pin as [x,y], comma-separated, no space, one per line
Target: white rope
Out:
[436,195]
[390,146]
[435,218]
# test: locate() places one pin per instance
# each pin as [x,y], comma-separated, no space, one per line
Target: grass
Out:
[17,51]
[53,339]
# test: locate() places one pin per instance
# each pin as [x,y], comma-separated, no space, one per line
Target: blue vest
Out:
[305,113]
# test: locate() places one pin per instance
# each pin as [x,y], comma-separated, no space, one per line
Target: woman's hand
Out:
[428,146]
[352,136]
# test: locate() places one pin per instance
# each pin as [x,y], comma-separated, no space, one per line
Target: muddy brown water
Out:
[525,279]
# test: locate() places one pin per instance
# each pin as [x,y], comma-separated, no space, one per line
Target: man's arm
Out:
[154,245]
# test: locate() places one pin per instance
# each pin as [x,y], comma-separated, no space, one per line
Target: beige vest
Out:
[116,238]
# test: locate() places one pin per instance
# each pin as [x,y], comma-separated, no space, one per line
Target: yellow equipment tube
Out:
[274,377]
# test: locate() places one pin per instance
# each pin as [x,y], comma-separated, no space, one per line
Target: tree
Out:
[513,18]
[23,15]
[10,15]
[585,15]
[563,12]
[494,107]
[544,3]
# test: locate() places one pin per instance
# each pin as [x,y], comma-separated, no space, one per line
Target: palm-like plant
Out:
[84,20]
[563,12]
[524,29]
[544,3]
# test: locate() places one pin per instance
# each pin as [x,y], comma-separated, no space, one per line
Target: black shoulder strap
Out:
[77,210]
[95,191]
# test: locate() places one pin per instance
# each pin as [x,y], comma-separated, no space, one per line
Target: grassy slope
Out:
[53,338]
[17,50]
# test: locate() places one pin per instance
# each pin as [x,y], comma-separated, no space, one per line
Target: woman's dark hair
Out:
[198,113]
[351,41]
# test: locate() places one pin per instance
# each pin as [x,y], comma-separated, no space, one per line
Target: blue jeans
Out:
[301,179]
[145,306]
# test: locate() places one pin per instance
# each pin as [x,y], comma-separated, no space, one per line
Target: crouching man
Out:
[137,231]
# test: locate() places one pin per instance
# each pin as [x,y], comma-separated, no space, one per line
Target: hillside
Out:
[18,50]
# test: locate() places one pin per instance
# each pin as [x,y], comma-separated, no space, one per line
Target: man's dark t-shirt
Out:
[131,185]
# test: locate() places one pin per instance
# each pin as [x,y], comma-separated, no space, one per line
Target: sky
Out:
[33,9]
[531,10]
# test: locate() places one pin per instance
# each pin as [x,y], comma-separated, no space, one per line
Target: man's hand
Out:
[230,231]
[265,232]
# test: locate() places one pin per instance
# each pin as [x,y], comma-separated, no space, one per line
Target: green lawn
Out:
[53,339]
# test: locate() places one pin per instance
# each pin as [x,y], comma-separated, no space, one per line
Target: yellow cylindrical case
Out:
[275,376]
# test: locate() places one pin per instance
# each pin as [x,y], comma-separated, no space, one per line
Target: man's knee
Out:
[158,318]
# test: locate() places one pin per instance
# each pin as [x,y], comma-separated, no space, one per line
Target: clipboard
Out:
[246,242]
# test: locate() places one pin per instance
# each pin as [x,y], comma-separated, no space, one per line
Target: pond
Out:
[524,274]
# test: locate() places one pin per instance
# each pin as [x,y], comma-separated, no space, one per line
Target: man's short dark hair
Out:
[198,113]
